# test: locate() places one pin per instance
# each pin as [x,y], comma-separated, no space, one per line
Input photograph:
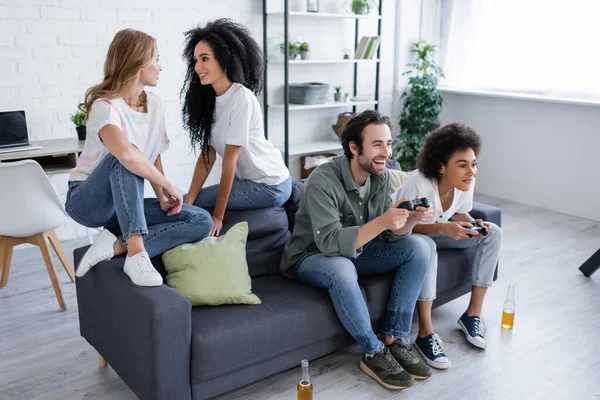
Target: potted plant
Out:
[293,49]
[78,118]
[337,96]
[422,104]
[361,7]
[346,97]
[303,50]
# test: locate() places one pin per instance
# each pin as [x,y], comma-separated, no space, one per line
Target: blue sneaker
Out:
[432,351]
[474,330]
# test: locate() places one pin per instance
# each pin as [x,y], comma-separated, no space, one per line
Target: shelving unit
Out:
[333,104]
[334,61]
[324,146]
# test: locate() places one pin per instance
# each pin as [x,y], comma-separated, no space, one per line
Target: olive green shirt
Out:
[330,213]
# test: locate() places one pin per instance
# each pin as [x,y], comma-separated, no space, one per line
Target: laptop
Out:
[13,132]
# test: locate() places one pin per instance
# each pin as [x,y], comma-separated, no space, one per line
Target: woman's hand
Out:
[217,224]
[481,222]
[459,230]
[395,218]
[173,200]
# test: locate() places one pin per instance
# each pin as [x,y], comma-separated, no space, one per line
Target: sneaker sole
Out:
[432,363]
[419,377]
[471,339]
[372,374]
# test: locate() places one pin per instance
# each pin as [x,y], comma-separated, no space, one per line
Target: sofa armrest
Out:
[486,213]
[143,333]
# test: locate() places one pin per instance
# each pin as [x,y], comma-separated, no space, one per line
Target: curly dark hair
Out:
[442,143]
[353,129]
[238,55]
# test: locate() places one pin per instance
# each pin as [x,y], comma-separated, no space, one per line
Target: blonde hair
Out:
[129,52]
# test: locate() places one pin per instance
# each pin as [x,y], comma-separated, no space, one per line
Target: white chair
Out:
[30,210]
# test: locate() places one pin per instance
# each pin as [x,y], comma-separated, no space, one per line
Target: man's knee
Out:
[421,247]
[342,272]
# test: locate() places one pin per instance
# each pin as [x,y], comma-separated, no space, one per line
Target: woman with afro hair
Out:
[223,116]
[446,170]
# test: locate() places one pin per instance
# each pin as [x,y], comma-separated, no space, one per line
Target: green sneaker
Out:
[401,351]
[384,369]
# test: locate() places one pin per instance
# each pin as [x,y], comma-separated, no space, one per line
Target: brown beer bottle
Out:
[305,388]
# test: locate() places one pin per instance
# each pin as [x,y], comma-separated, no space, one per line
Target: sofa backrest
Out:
[267,235]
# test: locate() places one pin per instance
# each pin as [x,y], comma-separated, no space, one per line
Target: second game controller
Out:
[481,229]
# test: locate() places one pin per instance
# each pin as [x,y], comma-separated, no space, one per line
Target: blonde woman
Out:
[126,137]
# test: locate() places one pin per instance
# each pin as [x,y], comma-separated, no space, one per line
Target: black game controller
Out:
[478,228]
[411,205]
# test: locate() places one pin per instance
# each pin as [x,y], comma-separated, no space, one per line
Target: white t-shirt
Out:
[418,185]
[145,130]
[238,121]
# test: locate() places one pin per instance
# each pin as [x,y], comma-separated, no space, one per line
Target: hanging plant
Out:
[421,105]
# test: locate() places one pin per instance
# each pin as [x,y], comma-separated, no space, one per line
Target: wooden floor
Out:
[552,353]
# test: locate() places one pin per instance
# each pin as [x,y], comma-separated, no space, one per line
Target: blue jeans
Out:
[483,253]
[409,257]
[113,197]
[247,195]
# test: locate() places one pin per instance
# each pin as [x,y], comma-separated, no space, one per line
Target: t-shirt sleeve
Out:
[103,113]
[239,123]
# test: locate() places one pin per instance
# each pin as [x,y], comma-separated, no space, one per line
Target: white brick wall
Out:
[51,51]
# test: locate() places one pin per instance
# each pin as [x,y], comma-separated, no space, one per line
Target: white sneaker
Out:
[140,270]
[100,250]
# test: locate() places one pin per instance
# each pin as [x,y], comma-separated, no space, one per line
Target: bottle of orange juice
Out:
[508,309]
[305,388]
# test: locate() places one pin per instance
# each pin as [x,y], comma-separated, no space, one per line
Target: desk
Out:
[55,155]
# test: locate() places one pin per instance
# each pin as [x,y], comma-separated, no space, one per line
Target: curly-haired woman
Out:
[447,166]
[126,137]
[222,116]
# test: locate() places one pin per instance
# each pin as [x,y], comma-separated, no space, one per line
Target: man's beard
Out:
[367,165]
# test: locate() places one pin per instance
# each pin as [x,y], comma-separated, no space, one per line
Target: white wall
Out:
[534,152]
[51,51]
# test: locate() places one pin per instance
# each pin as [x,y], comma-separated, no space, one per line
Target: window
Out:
[534,46]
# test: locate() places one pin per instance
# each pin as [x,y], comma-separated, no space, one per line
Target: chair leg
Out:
[40,240]
[101,361]
[58,249]
[6,250]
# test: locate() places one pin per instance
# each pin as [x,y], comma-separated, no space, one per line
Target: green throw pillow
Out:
[212,271]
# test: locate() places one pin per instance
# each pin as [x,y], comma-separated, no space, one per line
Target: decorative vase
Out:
[81,132]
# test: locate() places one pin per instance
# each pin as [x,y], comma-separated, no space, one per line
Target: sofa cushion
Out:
[231,337]
[267,234]
[212,271]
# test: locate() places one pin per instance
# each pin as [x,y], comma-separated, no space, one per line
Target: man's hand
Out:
[395,218]
[422,214]
[173,200]
[459,230]
[217,224]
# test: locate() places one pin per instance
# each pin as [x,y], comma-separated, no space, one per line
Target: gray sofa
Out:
[164,348]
